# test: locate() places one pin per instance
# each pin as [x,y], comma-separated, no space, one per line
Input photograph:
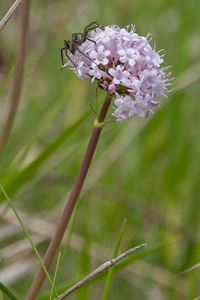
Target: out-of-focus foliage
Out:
[147,172]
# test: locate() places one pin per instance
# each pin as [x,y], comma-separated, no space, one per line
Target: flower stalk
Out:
[72,200]
[128,69]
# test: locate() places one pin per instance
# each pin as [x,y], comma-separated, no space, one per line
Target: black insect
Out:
[77,40]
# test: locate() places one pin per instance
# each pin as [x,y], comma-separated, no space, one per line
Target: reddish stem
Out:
[18,76]
[70,205]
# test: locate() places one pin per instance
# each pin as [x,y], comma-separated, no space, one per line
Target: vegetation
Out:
[144,171]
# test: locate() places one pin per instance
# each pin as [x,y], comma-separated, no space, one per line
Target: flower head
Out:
[125,66]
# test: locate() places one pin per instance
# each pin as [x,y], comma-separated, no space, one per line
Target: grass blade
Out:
[54,279]
[7,291]
[29,238]
[17,179]
[111,270]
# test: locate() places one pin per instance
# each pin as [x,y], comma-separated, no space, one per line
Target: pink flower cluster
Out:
[124,65]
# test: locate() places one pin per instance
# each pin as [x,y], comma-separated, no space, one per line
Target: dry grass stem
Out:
[99,270]
[9,14]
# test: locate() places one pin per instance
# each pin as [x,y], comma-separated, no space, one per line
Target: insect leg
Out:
[85,33]
[97,25]
[67,57]
[62,56]
[86,56]
[90,40]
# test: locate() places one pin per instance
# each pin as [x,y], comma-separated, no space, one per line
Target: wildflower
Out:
[124,65]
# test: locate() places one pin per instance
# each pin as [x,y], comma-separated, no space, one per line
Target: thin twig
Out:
[15,96]
[9,14]
[99,270]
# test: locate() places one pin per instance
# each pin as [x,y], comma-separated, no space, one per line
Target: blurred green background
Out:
[146,172]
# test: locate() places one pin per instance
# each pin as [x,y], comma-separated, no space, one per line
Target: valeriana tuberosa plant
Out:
[129,70]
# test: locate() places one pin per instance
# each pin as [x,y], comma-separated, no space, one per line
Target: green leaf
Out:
[7,292]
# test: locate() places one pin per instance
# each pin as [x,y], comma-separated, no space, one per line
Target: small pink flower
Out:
[129,55]
[126,66]
[119,75]
[111,88]
[100,55]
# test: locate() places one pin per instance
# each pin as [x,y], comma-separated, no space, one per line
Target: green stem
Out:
[70,205]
